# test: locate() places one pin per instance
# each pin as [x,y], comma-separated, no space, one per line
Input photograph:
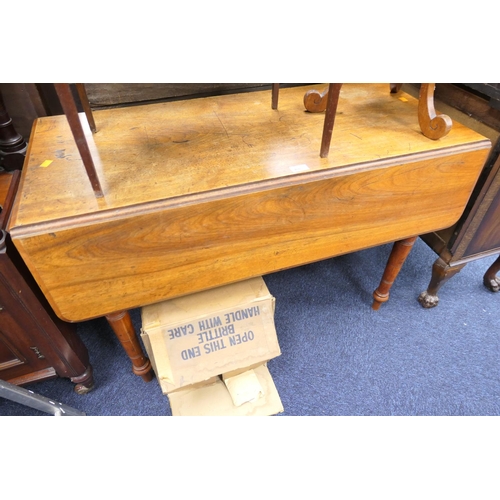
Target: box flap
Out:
[243,387]
[213,399]
[200,304]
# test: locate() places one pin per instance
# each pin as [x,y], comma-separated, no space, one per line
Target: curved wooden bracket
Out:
[315,101]
[433,126]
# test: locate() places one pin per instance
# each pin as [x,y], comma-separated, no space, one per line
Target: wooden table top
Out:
[202,193]
[180,152]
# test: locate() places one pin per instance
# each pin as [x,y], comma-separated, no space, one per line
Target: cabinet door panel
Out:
[19,353]
[487,236]
[8,356]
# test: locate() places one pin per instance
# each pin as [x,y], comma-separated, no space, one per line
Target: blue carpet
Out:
[339,357]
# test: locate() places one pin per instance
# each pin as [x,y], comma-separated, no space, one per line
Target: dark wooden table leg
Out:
[399,252]
[490,279]
[441,273]
[121,323]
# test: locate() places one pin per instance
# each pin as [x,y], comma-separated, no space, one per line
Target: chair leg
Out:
[314,104]
[70,110]
[82,93]
[395,87]
[275,94]
[331,111]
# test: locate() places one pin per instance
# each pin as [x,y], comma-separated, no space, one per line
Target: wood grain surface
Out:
[211,191]
[5,179]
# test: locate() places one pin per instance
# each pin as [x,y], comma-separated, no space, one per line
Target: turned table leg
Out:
[121,323]
[441,273]
[399,252]
[490,280]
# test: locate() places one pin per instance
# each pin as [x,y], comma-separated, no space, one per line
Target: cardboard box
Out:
[253,390]
[196,337]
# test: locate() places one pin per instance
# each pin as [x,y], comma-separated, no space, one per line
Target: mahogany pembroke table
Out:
[206,192]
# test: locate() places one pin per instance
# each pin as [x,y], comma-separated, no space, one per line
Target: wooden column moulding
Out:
[12,144]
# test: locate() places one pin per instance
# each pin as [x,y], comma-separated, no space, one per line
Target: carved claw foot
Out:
[492,284]
[490,279]
[427,300]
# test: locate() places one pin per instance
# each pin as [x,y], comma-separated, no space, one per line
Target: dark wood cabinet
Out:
[34,343]
[477,233]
